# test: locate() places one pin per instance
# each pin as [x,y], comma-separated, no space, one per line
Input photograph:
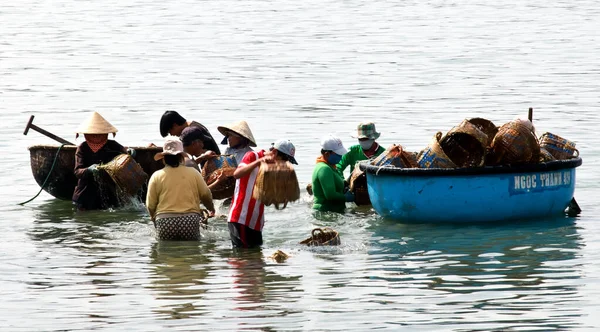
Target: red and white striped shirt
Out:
[244,208]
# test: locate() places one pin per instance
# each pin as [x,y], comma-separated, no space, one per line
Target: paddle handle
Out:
[43,132]
[530,116]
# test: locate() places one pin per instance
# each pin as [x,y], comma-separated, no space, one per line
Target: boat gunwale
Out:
[486,170]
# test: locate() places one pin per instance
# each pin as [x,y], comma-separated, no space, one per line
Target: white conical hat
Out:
[96,124]
[241,128]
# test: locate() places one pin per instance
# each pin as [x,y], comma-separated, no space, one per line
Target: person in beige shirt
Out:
[174,196]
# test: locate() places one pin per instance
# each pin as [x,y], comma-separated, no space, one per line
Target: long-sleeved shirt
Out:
[88,194]
[177,190]
[328,189]
[354,155]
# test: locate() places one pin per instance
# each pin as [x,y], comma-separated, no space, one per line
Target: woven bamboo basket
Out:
[277,184]
[213,168]
[487,127]
[545,155]
[465,145]
[396,156]
[127,174]
[358,185]
[433,156]
[515,143]
[323,237]
[560,148]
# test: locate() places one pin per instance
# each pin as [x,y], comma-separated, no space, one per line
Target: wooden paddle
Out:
[42,131]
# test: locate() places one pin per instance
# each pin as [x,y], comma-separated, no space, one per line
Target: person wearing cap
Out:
[240,139]
[327,182]
[95,150]
[193,140]
[174,196]
[172,123]
[246,215]
[366,148]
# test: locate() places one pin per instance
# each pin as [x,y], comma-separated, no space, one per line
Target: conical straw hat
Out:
[96,124]
[241,128]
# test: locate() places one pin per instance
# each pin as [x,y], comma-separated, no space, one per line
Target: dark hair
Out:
[168,119]
[173,161]
[325,151]
[281,155]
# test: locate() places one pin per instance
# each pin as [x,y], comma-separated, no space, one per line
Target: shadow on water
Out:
[526,270]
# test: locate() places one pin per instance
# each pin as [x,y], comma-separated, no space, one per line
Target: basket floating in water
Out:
[277,184]
[323,237]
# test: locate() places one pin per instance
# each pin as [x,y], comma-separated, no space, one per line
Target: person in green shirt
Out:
[366,148]
[327,183]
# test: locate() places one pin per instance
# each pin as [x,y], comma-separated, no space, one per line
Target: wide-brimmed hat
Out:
[172,147]
[333,143]
[241,128]
[366,130]
[96,124]
[286,147]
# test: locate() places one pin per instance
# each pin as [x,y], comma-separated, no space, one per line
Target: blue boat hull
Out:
[484,194]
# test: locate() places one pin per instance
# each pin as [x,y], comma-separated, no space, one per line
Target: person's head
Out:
[172,153]
[95,129]
[332,149]
[193,140]
[238,135]
[366,135]
[284,150]
[171,123]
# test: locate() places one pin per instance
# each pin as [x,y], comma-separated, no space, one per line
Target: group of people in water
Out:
[175,192]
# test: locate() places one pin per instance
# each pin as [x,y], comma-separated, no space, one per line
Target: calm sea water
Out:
[297,70]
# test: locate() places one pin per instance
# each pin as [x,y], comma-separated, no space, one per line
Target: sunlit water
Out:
[296,70]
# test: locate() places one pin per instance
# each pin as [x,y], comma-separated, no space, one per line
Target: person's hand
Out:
[349,196]
[93,169]
[220,177]
[269,158]
[131,152]
[207,155]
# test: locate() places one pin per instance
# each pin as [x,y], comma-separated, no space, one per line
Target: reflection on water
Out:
[181,268]
[522,273]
